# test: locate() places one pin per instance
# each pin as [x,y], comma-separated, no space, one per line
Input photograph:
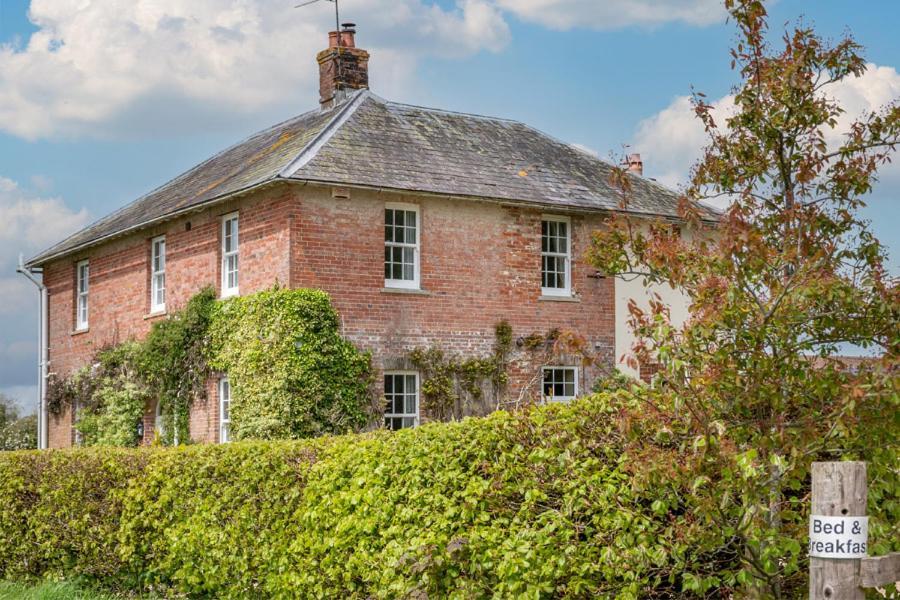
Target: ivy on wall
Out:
[108,397]
[173,363]
[453,387]
[292,374]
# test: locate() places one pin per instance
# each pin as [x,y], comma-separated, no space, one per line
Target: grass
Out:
[51,591]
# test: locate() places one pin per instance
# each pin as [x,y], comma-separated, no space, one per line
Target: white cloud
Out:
[29,223]
[107,68]
[94,65]
[671,141]
[876,88]
[615,14]
[481,27]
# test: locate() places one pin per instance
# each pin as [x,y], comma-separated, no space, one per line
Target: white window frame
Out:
[159,427]
[82,292]
[78,438]
[415,283]
[560,368]
[158,275]
[567,256]
[404,415]
[224,423]
[227,290]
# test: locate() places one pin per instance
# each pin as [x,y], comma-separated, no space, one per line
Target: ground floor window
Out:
[560,383]
[401,396]
[224,410]
[159,425]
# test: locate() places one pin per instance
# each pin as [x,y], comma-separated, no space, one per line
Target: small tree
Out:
[8,410]
[16,432]
[751,385]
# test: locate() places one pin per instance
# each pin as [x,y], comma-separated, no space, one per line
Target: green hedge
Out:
[535,504]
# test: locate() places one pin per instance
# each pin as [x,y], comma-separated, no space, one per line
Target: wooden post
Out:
[838,490]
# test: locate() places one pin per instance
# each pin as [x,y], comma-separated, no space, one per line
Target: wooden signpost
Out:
[838,566]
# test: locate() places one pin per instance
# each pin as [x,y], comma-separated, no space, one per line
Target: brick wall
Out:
[119,300]
[205,415]
[480,264]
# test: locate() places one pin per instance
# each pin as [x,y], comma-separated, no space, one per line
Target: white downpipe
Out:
[43,357]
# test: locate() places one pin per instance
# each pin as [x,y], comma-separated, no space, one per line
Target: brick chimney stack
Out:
[635,165]
[342,67]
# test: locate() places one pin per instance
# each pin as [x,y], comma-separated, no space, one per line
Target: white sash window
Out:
[158,274]
[230,245]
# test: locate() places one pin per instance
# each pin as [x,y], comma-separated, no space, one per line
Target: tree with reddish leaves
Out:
[752,386]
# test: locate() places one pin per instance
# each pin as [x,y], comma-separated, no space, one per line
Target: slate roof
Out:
[367,141]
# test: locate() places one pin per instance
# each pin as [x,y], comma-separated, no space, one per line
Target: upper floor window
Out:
[560,383]
[401,396]
[224,410]
[82,286]
[230,244]
[158,274]
[556,256]
[401,246]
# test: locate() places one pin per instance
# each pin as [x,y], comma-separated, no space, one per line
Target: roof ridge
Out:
[311,149]
[451,112]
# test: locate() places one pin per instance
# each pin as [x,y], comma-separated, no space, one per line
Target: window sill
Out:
[156,314]
[545,298]
[405,291]
[80,331]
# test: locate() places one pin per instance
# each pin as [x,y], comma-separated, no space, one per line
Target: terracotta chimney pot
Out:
[635,165]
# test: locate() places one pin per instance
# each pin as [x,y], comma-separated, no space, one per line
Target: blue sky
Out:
[101,101]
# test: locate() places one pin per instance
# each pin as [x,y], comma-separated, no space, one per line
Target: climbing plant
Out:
[109,397]
[292,375]
[452,386]
[172,362]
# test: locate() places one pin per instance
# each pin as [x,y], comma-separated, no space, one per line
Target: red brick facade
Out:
[480,264]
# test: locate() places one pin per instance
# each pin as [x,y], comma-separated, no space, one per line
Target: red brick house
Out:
[426,227]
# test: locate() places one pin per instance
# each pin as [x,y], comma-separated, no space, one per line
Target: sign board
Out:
[838,537]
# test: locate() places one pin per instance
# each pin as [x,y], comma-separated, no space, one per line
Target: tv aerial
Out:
[337,13]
